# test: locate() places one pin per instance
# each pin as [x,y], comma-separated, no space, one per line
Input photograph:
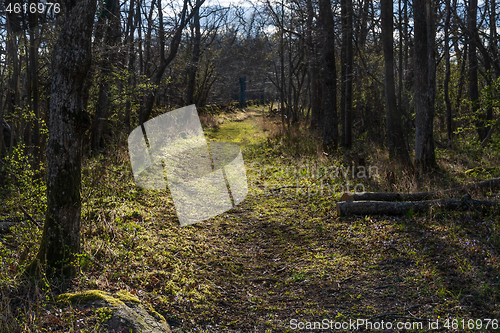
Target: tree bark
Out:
[13,85]
[493,29]
[330,122]
[68,121]
[395,137]
[193,66]
[473,64]
[424,85]
[447,74]
[401,208]
[131,63]
[347,60]
[461,81]
[111,39]
[313,71]
[138,20]
[282,64]
[490,75]
[147,39]
[33,60]
[363,30]
[400,58]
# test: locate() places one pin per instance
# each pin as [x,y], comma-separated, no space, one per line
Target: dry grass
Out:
[209,121]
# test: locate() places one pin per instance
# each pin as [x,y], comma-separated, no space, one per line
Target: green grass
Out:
[281,254]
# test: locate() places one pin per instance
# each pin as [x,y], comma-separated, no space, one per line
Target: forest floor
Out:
[282,256]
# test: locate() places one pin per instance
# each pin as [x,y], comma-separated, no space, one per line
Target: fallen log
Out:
[403,207]
[388,196]
[9,222]
[485,185]
[5,226]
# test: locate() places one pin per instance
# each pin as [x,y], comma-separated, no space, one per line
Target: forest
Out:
[369,142]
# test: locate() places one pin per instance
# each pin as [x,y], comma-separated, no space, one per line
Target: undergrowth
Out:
[279,256]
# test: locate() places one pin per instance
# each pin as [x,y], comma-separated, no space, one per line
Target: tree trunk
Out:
[400,58]
[33,60]
[131,63]
[489,78]
[461,80]
[347,57]
[363,31]
[147,39]
[491,75]
[68,120]
[282,65]
[193,66]
[493,29]
[313,71]
[330,122]
[111,39]
[290,104]
[395,137]
[13,85]
[473,64]
[424,86]
[447,73]
[403,65]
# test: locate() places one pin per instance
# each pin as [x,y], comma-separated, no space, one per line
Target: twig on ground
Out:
[395,315]
[278,189]
[30,217]
[346,279]
[7,244]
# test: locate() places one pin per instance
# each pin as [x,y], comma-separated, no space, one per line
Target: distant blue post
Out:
[243,91]
[262,98]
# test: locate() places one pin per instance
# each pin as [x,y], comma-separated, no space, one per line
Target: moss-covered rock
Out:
[128,314]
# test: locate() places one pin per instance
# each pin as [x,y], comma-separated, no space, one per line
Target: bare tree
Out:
[166,59]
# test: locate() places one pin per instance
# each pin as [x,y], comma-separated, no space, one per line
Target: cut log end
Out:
[346,197]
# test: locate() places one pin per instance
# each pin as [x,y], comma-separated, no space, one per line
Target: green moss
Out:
[156,314]
[125,296]
[120,298]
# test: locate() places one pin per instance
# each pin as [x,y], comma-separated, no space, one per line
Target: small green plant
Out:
[102,315]
[27,185]
[410,214]
[299,276]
